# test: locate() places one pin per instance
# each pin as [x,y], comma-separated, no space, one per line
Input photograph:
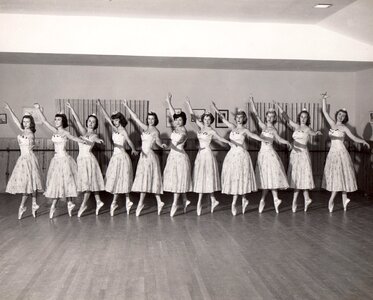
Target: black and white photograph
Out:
[186,149]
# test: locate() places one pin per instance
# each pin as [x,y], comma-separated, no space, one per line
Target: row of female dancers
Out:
[65,178]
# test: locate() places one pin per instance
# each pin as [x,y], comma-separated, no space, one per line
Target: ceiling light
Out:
[321,5]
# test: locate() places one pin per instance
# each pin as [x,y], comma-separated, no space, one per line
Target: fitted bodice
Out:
[147,141]
[267,136]
[59,142]
[204,139]
[237,137]
[336,136]
[25,144]
[85,149]
[176,137]
[300,137]
[118,140]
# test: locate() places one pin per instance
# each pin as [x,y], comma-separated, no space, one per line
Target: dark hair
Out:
[181,115]
[273,112]
[93,116]
[345,120]
[243,114]
[122,119]
[207,115]
[308,122]
[156,121]
[32,121]
[64,119]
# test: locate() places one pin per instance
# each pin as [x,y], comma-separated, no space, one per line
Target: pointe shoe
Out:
[199,210]
[70,207]
[245,203]
[307,203]
[186,203]
[173,210]
[261,206]
[139,209]
[294,207]
[234,210]
[34,208]
[128,206]
[99,205]
[277,204]
[81,210]
[345,203]
[160,206]
[21,210]
[113,207]
[214,203]
[51,212]
[331,206]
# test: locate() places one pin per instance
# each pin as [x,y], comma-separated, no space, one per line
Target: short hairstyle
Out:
[180,115]
[345,120]
[243,114]
[64,119]
[93,116]
[308,122]
[32,122]
[122,119]
[156,121]
[272,112]
[208,115]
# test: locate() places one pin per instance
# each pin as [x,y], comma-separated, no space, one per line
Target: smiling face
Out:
[271,117]
[92,123]
[26,122]
[239,119]
[58,122]
[151,120]
[116,122]
[178,122]
[207,121]
[341,115]
[303,118]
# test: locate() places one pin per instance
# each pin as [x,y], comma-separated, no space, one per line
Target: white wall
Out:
[22,85]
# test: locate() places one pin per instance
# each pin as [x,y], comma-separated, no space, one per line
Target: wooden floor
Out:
[313,255]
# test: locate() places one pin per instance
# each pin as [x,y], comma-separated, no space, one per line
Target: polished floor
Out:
[313,255]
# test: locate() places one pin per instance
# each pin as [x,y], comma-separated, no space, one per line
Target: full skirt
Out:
[206,177]
[300,170]
[176,175]
[89,174]
[119,174]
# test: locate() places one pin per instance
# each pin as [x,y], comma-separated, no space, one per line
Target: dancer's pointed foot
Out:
[128,206]
[51,212]
[113,207]
[139,209]
[294,207]
[331,206]
[345,203]
[277,204]
[82,210]
[214,203]
[186,203]
[160,206]
[245,203]
[173,210]
[307,203]
[234,209]
[99,205]
[21,210]
[70,207]
[34,208]
[261,206]
[199,209]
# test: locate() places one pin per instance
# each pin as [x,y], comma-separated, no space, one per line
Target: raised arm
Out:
[355,138]
[170,107]
[14,117]
[325,113]
[81,128]
[225,121]
[285,116]
[44,119]
[198,122]
[251,101]
[106,115]
[134,116]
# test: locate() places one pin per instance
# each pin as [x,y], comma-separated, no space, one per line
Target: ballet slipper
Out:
[21,210]
[307,203]
[245,203]
[186,203]
[331,206]
[277,204]
[261,206]
[160,206]
[34,208]
[51,212]
[214,203]
[113,207]
[294,207]
[70,207]
[173,210]
[345,203]
[128,206]
[199,209]
[82,210]
[99,205]
[234,209]
[139,209]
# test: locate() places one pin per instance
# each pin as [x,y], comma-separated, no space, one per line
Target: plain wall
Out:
[22,85]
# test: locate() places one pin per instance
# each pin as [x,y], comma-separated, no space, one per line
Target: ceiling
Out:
[283,11]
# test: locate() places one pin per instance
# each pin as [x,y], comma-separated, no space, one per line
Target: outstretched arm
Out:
[285,116]
[14,117]
[281,140]
[158,140]
[74,138]
[253,135]
[106,115]
[198,122]
[311,132]
[225,121]
[325,113]
[134,116]
[355,138]
[44,120]
[220,138]
[81,128]
[251,101]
